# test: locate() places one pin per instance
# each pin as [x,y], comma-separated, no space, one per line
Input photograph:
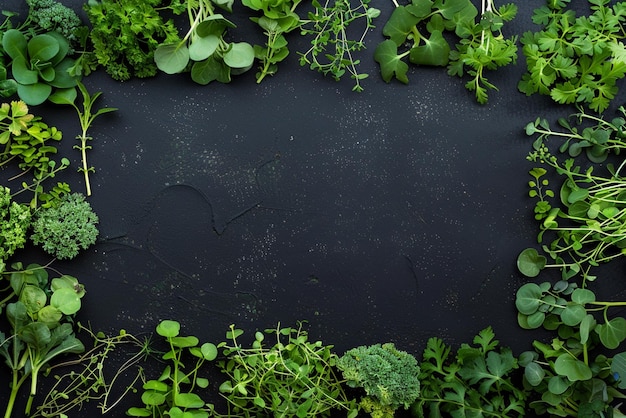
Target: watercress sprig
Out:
[278,18]
[566,377]
[290,376]
[204,44]
[173,393]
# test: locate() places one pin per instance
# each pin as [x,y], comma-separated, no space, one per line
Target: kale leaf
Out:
[388,375]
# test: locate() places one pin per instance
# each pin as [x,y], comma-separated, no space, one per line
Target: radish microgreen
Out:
[212,57]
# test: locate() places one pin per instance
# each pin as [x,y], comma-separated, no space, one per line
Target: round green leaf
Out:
[33,298]
[168,328]
[558,384]
[239,55]
[171,58]
[613,332]
[184,342]
[42,47]
[577,194]
[530,262]
[572,368]
[66,300]
[573,314]
[534,374]
[202,48]
[189,400]
[209,351]
[14,44]
[67,282]
[62,77]
[138,412]
[153,398]
[583,296]
[535,320]
[22,72]
[34,94]
[155,385]
[528,298]
[49,315]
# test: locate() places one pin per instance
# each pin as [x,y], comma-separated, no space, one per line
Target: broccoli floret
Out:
[388,375]
[50,15]
[14,222]
[66,228]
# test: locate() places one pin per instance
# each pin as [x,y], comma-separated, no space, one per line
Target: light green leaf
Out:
[530,262]
[202,48]
[171,58]
[239,55]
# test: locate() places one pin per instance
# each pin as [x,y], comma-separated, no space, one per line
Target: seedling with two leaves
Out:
[173,393]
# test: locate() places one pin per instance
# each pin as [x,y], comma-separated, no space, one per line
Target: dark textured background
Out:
[392,215]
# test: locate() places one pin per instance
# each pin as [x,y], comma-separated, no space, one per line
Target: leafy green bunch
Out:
[581,133]
[212,58]
[576,59]
[278,18]
[586,223]
[41,326]
[566,379]
[422,24]
[173,393]
[332,50]
[14,223]
[477,382]
[66,228]
[289,377]
[125,34]
[389,377]
[483,47]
